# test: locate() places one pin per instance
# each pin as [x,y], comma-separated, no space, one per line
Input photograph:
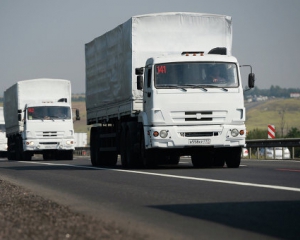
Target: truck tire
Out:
[233,157]
[110,158]
[123,146]
[132,156]
[12,148]
[19,148]
[148,158]
[94,146]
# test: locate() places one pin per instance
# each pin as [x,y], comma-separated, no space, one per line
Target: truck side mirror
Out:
[77,115]
[139,71]
[19,115]
[140,82]
[251,80]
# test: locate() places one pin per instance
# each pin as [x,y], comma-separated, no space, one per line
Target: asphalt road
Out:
[259,200]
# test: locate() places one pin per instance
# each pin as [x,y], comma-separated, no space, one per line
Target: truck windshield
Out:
[48,112]
[196,74]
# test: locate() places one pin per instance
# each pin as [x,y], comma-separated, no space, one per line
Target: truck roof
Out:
[192,58]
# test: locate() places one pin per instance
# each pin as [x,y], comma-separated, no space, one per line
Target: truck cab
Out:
[48,126]
[188,106]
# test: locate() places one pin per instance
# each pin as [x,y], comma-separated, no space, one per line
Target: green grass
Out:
[274,112]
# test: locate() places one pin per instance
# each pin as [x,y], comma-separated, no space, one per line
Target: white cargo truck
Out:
[160,86]
[38,119]
[3,139]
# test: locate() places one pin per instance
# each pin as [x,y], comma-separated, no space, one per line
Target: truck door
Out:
[148,93]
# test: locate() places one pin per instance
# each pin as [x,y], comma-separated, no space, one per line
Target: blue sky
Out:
[42,38]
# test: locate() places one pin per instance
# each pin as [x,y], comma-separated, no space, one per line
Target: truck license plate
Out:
[50,147]
[199,141]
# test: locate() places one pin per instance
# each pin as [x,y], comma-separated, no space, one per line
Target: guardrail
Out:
[279,142]
[250,144]
[82,151]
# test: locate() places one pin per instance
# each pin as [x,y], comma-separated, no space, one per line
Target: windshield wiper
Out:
[182,87]
[197,86]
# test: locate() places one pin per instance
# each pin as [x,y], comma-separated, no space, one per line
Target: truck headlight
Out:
[163,133]
[234,132]
[69,142]
[29,143]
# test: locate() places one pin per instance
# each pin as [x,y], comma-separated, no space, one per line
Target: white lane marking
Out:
[177,176]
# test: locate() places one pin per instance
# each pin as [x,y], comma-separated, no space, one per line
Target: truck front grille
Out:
[217,117]
[50,134]
[200,134]
[48,143]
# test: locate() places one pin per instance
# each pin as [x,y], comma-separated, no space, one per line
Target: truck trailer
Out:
[3,139]
[38,119]
[165,85]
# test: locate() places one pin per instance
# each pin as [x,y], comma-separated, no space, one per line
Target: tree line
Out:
[274,91]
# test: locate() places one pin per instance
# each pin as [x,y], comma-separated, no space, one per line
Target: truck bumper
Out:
[195,136]
[53,144]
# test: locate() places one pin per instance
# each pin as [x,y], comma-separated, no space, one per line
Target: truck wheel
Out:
[12,148]
[203,159]
[123,146]
[111,159]
[18,148]
[131,140]
[147,157]
[94,146]
[233,157]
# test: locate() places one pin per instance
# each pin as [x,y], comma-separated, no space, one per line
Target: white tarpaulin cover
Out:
[111,59]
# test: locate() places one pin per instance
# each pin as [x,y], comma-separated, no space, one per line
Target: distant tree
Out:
[257,134]
[293,133]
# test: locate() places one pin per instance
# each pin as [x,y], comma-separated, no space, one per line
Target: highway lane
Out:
[259,200]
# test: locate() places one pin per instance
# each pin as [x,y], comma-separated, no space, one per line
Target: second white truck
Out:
[160,86]
[38,119]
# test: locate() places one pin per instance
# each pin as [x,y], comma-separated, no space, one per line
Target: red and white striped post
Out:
[271,131]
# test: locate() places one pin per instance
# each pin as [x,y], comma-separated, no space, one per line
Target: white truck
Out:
[3,139]
[38,119]
[161,86]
